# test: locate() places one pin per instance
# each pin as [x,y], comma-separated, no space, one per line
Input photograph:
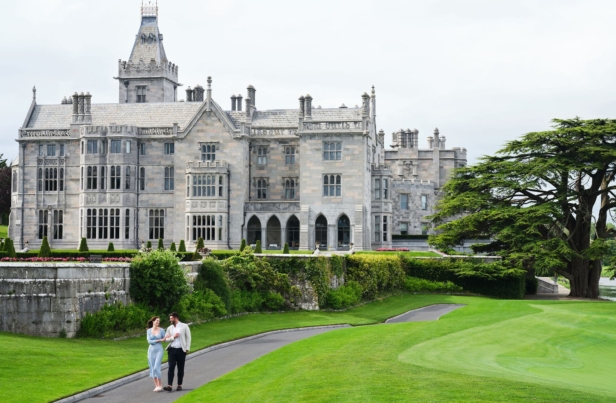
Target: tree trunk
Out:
[585,282]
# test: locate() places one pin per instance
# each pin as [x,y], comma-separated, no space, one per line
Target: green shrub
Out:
[273,301]
[344,296]
[9,248]
[186,256]
[157,280]
[246,301]
[148,245]
[211,277]
[375,273]
[113,320]
[243,245]
[223,254]
[286,248]
[182,246]
[83,245]
[532,284]
[161,246]
[414,284]
[110,247]
[200,244]
[258,247]
[172,247]
[45,250]
[199,306]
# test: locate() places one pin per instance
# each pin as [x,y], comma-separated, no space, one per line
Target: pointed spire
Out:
[34,93]
[148,44]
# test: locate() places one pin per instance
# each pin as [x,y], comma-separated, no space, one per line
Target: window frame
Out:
[332,149]
[332,185]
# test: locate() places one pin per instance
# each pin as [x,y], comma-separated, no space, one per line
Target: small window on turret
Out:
[140,94]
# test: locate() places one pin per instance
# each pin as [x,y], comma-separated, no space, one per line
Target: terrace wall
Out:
[42,299]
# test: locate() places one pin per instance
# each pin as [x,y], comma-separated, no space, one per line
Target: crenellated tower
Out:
[148,76]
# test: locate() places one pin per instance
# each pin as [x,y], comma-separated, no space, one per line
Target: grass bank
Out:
[47,369]
[4,231]
[488,351]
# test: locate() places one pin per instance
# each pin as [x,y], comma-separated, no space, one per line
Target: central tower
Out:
[148,76]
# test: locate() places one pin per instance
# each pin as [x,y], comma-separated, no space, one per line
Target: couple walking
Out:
[178,334]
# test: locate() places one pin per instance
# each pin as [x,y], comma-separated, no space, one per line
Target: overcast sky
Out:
[482,71]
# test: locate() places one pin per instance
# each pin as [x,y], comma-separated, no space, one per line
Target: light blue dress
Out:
[155,352]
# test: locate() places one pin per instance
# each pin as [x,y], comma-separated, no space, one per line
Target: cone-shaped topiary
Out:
[182,246]
[172,247]
[110,247]
[149,245]
[258,247]
[83,245]
[160,244]
[45,250]
[9,248]
[200,243]
[286,249]
[243,245]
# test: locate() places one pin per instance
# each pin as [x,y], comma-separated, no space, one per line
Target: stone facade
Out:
[151,167]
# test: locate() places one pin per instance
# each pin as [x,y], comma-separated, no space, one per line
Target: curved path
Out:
[210,363]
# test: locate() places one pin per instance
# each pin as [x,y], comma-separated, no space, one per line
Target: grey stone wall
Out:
[42,299]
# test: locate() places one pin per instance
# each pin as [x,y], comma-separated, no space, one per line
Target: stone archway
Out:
[293,232]
[320,232]
[253,231]
[274,238]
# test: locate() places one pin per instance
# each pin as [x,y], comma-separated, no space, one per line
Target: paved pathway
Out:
[208,364]
[432,312]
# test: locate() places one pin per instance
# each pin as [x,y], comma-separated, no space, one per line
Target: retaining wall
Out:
[42,299]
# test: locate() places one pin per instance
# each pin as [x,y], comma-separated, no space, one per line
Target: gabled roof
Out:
[140,115]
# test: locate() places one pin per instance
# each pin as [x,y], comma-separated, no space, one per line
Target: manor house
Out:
[155,166]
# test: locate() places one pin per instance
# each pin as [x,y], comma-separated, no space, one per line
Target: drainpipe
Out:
[229,208]
[249,170]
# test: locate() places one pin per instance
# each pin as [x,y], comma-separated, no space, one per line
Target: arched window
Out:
[253,231]
[320,232]
[15,181]
[344,232]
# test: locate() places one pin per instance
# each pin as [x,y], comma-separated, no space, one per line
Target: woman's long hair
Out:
[151,321]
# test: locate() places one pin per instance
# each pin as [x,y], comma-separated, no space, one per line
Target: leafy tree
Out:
[45,250]
[286,249]
[258,247]
[535,200]
[182,246]
[243,245]
[83,245]
[161,246]
[5,189]
[157,280]
[110,247]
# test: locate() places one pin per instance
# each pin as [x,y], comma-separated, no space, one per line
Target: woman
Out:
[155,337]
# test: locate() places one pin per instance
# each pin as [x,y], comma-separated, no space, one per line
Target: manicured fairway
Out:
[488,351]
[46,369]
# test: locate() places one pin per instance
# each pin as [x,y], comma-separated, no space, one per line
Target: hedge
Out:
[223,254]
[397,236]
[491,279]
[375,273]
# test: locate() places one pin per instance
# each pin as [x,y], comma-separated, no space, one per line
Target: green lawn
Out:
[488,351]
[410,253]
[47,369]
[4,231]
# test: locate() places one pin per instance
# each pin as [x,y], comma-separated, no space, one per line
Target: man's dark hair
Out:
[175,315]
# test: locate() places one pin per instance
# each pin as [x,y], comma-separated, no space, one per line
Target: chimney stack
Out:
[75,108]
[248,107]
[189,94]
[301,106]
[233,101]
[252,93]
[198,93]
[87,117]
[365,105]
[308,107]
[81,104]
[239,102]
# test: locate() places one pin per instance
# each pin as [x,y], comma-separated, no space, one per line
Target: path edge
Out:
[146,372]
[419,309]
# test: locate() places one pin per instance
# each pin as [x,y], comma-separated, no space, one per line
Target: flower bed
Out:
[392,249]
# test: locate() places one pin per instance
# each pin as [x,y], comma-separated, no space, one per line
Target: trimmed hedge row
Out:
[491,279]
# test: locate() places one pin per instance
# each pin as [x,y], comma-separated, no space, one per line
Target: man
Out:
[179,333]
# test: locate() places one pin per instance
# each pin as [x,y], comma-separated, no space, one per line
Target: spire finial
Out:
[34,93]
[149,10]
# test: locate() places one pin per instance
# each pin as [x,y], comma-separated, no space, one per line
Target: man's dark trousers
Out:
[176,356]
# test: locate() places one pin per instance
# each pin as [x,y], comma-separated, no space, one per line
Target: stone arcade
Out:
[152,167]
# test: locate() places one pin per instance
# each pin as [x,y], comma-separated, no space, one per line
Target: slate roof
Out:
[290,117]
[150,49]
[141,115]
